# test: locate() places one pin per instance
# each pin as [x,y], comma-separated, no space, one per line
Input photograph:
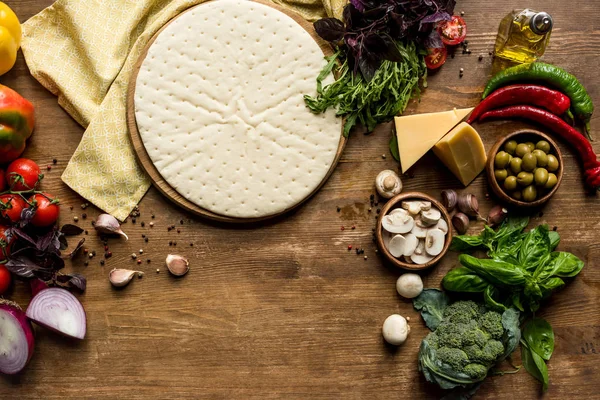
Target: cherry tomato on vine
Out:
[5,279]
[23,174]
[453,32]
[46,209]
[436,58]
[11,206]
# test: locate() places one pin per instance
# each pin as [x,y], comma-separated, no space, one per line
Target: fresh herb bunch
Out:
[371,29]
[380,58]
[523,268]
[373,102]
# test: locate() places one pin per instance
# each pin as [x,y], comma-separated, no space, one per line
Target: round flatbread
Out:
[219,106]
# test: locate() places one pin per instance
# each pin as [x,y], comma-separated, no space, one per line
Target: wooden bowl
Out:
[522,136]
[395,202]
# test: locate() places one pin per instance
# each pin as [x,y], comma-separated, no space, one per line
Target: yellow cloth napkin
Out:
[84,51]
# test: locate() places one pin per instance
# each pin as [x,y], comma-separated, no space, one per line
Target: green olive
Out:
[502,159]
[530,193]
[516,165]
[551,182]
[529,162]
[522,149]
[541,176]
[510,147]
[531,146]
[524,178]
[543,146]
[501,174]
[510,183]
[552,163]
[517,195]
[542,158]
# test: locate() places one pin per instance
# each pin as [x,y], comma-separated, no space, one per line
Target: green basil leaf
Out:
[464,280]
[539,336]
[431,303]
[549,285]
[536,245]
[554,239]
[498,273]
[511,225]
[515,299]
[492,303]
[562,264]
[394,147]
[465,243]
[507,248]
[535,365]
[512,331]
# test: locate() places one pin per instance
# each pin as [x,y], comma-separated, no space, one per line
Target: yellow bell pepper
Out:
[10,38]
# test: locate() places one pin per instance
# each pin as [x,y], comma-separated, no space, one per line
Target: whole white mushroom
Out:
[395,329]
[388,184]
[409,285]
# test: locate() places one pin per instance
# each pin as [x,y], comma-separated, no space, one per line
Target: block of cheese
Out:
[462,151]
[417,134]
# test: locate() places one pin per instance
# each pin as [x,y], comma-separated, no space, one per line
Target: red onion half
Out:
[16,338]
[58,310]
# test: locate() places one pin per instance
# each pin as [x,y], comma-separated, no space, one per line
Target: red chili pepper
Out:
[534,95]
[561,128]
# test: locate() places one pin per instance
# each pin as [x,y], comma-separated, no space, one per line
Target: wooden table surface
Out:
[282,309]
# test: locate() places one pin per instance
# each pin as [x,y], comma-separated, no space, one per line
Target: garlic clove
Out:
[177,265]
[460,222]
[434,242]
[397,245]
[121,277]
[106,223]
[449,199]
[497,215]
[468,204]
[431,217]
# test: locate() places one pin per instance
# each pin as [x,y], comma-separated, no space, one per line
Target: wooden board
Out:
[146,162]
[284,311]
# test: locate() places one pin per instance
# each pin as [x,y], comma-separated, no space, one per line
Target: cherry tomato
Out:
[453,32]
[11,206]
[23,174]
[46,212]
[4,243]
[4,279]
[436,58]
[2,180]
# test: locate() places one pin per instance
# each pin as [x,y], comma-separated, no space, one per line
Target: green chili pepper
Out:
[581,102]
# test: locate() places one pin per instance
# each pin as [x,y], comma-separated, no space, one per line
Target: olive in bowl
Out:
[525,168]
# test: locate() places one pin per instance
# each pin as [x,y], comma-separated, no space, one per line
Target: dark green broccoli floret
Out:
[461,312]
[473,352]
[476,337]
[456,358]
[492,350]
[432,340]
[491,322]
[449,335]
[475,371]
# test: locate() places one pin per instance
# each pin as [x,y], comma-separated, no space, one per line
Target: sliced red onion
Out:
[16,338]
[58,310]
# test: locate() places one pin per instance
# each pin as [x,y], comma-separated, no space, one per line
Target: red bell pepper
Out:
[16,124]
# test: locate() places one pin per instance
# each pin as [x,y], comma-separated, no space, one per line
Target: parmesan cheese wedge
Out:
[417,134]
[462,151]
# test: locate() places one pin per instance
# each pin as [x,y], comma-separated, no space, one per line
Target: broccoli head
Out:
[461,312]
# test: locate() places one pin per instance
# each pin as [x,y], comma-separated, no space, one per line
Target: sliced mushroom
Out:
[416,206]
[431,216]
[388,184]
[434,242]
[419,230]
[411,244]
[397,245]
[399,222]
[386,237]
[442,225]
[420,256]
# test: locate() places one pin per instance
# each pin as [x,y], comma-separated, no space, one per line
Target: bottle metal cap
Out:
[541,23]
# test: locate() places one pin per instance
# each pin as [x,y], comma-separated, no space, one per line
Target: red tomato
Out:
[23,174]
[4,279]
[453,32]
[46,211]
[2,181]
[11,206]
[436,58]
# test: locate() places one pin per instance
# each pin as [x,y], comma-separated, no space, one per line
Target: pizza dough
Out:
[219,107]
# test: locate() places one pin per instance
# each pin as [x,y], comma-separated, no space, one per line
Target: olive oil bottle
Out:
[523,36]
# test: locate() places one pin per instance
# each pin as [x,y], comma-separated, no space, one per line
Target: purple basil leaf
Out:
[21,234]
[44,243]
[63,242]
[75,281]
[368,67]
[72,230]
[382,48]
[436,17]
[24,267]
[26,215]
[330,29]
[433,41]
[75,251]
[359,4]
